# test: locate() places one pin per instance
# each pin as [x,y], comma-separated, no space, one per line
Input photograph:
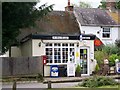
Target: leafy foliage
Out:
[104,2]
[110,49]
[78,68]
[112,59]
[97,68]
[17,15]
[84,5]
[100,56]
[117,42]
[98,81]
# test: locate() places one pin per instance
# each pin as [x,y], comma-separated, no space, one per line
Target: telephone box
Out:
[44,58]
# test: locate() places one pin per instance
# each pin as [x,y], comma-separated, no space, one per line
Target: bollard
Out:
[49,85]
[14,85]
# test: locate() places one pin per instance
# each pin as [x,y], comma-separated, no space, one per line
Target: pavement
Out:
[73,79]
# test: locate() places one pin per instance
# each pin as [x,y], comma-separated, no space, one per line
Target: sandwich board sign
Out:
[70,69]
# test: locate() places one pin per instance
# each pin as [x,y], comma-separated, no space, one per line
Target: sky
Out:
[60,4]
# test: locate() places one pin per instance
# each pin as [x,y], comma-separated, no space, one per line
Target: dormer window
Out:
[106,32]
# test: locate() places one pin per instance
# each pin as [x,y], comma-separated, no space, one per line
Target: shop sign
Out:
[59,37]
[84,37]
[54,71]
[70,69]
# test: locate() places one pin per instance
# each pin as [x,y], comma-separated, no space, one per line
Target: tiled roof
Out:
[55,23]
[93,16]
[115,15]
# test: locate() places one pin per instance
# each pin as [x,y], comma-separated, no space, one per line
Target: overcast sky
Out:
[60,4]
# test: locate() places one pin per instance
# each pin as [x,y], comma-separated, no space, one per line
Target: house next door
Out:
[84,60]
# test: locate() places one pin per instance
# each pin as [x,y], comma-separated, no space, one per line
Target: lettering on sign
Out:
[85,37]
[59,37]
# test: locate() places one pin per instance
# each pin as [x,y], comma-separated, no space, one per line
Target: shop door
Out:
[84,61]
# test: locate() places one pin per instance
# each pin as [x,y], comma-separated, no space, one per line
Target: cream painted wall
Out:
[26,48]
[36,49]
[15,51]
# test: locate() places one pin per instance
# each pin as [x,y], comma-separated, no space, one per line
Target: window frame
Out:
[61,47]
[106,32]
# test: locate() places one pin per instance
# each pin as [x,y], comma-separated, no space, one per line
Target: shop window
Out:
[65,55]
[57,55]
[65,44]
[48,44]
[72,44]
[106,33]
[49,55]
[72,54]
[60,52]
[56,44]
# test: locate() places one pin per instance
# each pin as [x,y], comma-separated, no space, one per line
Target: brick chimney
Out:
[69,7]
[110,5]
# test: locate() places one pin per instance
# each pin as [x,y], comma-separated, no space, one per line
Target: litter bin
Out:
[54,71]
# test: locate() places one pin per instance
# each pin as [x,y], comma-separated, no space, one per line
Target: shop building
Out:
[57,36]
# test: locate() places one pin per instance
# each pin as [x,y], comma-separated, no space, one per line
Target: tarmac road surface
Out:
[38,86]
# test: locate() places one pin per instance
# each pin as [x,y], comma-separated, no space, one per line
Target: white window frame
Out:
[109,32]
[61,47]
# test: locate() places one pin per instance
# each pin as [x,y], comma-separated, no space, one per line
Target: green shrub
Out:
[97,68]
[39,77]
[110,49]
[112,59]
[78,68]
[97,81]
[100,56]
[117,43]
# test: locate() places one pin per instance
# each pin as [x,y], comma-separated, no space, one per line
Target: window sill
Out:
[106,38]
[57,63]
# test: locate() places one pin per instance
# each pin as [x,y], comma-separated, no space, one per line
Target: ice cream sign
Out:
[54,69]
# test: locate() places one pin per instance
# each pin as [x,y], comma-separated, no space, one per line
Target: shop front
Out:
[64,50]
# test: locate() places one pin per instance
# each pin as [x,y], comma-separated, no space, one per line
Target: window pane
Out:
[65,55]
[57,55]
[72,55]
[106,35]
[49,55]
[106,29]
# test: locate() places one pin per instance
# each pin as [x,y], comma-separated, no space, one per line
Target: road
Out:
[36,85]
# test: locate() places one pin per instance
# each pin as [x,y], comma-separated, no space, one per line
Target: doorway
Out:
[84,60]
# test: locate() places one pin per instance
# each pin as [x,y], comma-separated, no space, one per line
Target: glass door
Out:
[84,61]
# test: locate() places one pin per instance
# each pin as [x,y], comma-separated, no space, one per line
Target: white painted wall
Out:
[118,32]
[38,51]
[95,29]
[26,48]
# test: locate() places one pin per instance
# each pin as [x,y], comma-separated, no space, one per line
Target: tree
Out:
[84,5]
[117,43]
[17,15]
[103,4]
